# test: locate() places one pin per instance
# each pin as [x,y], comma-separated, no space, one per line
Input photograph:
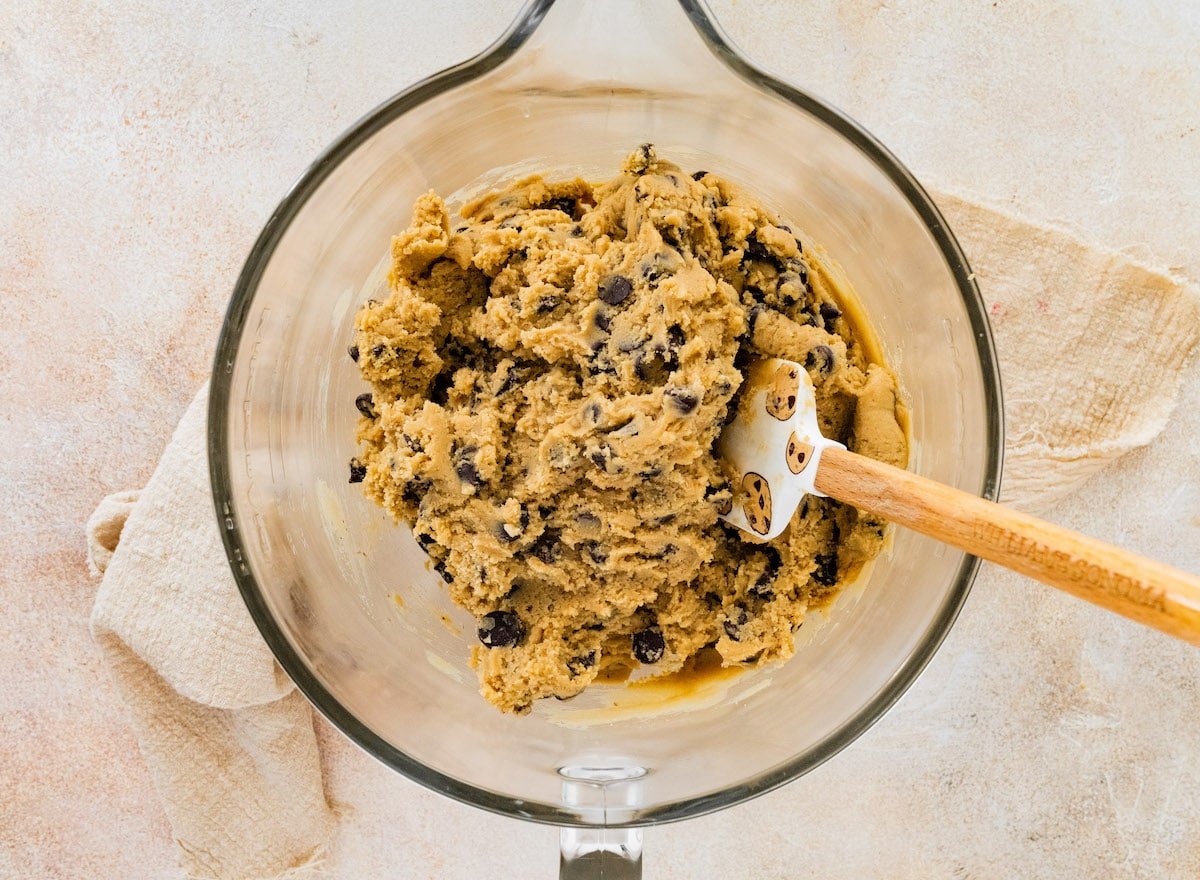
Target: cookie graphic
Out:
[757,502]
[798,454]
[785,389]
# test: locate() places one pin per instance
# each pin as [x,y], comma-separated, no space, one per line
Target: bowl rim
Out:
[289,659]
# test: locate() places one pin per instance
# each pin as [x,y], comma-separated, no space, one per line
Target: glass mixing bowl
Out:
[573,86]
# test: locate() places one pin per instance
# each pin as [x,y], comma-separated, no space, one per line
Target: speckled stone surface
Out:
[145,143]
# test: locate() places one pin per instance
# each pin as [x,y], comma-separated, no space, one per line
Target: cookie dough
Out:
[549,374]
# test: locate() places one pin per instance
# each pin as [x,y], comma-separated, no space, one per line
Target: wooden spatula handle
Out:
[1138,588]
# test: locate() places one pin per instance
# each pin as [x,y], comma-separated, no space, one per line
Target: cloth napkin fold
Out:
[1092,346]
[229,740]
[1092,349]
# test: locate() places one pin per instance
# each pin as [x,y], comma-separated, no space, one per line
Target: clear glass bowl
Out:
[573,86]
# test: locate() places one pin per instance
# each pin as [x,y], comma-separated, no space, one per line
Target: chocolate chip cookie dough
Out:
[549,375]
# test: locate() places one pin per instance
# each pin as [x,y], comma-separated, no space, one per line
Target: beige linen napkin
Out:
[228,739]
[1092,347]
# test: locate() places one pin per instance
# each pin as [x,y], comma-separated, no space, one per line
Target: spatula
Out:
[776,447]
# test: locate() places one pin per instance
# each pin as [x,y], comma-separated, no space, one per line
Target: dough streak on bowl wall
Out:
[549,374]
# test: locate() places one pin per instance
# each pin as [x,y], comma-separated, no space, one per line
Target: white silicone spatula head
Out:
[773,443]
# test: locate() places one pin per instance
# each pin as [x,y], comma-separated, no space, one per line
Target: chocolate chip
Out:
[757,294]
[710,491]
[676,337]
[829,313]
[774,564]
[650,473]
[615,289]
[826,572]
[501,629]
[378,351]
[602,321]
[820,358]
[426,541]
[696,175]
[592,412]
[548,304]
[466,469]
[594,627]
[627,428]
[412,443]
[439,390]
[415,490]
[468,474]
[595,552]
[547,547]
[601,457]
[667,550]
[642,158]
[576,665]
[353,352]
[566,204]
[576,231]
[510,380]
[358,471]
[684,399]
[790,288]
[734,624]
[752,315]
[366,405]
[712,600]
[657,265]
[440,568]
[799,268]
[649,645]
[756,250]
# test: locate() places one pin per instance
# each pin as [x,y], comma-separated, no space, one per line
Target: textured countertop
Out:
[144,144]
